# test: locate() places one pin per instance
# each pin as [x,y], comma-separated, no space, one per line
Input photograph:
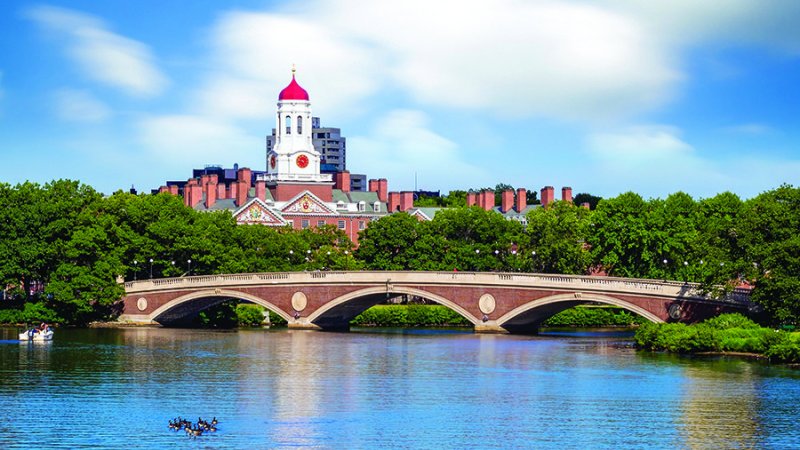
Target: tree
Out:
[385,243]
[620,238]
[768,231]
[558,236]
[583,197]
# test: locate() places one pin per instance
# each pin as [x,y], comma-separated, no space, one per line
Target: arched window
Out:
[288,125]
[299,124]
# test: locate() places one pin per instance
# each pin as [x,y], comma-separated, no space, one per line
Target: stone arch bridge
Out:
[492,302]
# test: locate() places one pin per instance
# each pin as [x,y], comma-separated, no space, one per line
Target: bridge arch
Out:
[537,311]
[214,294]
[335,313]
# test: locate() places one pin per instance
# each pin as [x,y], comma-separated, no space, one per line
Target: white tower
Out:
[293,158]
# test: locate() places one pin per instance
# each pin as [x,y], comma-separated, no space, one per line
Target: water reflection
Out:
[398,389]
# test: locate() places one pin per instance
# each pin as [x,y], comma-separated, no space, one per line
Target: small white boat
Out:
[32,335]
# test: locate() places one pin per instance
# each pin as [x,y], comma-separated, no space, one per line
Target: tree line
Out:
[63,245]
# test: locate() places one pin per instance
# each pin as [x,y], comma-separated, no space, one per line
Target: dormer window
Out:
[376,207]
[340,205]
[362,206]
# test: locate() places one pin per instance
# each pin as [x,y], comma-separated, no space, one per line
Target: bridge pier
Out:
[489,327]
[302,324]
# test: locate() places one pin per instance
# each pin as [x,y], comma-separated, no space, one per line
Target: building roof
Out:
[293,91]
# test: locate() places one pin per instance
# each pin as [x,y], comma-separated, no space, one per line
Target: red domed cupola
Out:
[293,91]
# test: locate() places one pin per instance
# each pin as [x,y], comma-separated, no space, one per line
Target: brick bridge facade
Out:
[492,302]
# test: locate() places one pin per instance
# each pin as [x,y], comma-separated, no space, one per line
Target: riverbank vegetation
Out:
[731,333]
[64,245]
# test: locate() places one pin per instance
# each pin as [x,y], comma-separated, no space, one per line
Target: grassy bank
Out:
[409,316]
[732,333]
[593,317]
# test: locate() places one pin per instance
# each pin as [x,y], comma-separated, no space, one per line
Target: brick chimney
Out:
[383,189]
[548,195]
[245,174]
[221,191]
[211,193]
[488,199]
[506,200]
[472,198]
[394,201]
[233,188]
[261,190]
[566,194]
[372,185]
[406,200]
[241,191]
[192,193]
[173,189]
[342,181]
[163,189]
[586,205]
[522,199]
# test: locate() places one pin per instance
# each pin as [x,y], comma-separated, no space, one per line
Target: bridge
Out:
[492,302]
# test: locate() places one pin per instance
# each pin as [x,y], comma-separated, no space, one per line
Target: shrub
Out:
[733,320]
[593,317]
[786,350]
[409,316]
[249,315]
[276,321]
[11,316]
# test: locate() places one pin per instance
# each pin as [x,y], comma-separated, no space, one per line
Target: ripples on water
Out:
[106,388]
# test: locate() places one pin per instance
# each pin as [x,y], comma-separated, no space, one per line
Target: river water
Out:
[118,388]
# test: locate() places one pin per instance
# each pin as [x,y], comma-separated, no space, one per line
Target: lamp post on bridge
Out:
[151,268]
[135,269]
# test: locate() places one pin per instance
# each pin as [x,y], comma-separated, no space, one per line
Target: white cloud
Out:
[401,146]
[772,24]
[80,106]
[184,141]
[254,52]
[752,129]
[513,58]
[102,55]
[639,143]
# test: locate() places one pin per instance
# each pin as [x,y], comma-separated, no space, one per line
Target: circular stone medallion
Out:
[675,311]
[141,303]
[299,301]
[486,303]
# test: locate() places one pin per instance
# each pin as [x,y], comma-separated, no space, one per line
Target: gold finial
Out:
[293,69]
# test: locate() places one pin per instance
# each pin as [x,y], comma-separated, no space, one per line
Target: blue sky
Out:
[605,96]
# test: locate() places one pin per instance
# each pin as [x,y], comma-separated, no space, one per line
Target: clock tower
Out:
[293,158]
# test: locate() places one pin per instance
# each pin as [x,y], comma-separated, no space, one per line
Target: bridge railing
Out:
[572,282]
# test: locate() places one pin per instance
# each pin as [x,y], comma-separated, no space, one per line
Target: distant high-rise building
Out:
[328,141]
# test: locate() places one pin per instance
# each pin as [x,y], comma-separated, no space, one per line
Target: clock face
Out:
[302,161]
[272,161]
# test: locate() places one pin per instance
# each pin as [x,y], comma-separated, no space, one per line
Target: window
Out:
[376,206]
[288,125]
[341,225]
[320,223]
[361,225]
[304,223]
[299,124]
[362,206]
[340,205]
